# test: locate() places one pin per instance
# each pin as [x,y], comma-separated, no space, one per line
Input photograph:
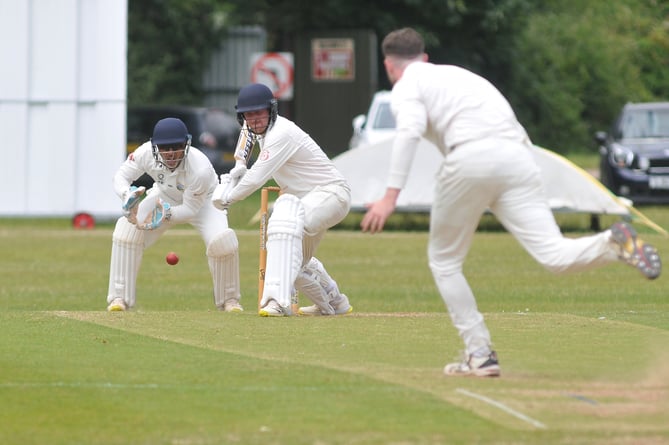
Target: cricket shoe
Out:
[116,305]
[233,306]
[273,309]
[487,366]
[342,308]
[635,252]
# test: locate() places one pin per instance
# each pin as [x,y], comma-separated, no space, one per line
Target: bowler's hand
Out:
[379,211]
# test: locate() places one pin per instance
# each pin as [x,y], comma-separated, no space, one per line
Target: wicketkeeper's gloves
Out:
[131,198]
[161,213]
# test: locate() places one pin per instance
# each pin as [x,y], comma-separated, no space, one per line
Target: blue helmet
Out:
[254,97]
[170,132]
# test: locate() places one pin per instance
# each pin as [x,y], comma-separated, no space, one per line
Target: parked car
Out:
[634,154]
[214,131]
[378,124]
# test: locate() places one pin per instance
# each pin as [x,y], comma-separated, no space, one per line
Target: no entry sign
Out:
[276,71]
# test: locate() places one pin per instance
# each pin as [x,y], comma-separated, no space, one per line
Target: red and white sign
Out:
[276,70]
[333,59]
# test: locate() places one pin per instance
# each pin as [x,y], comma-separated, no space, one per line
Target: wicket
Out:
[264,216]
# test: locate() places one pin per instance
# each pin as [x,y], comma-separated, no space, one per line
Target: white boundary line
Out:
[503,407]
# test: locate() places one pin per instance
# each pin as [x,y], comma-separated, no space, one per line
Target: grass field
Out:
[584,357]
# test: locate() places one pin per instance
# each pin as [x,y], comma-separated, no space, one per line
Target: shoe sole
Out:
[488,371]
[309,314]
[116,308]
[348,311]
[319,314]
[635,252]
[264,313]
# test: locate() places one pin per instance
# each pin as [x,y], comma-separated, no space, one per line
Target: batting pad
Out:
[126,257]
[223,258]
[314,282]
[284,250]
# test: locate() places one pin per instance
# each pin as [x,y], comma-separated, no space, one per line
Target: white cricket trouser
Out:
[499,175]
[324,207]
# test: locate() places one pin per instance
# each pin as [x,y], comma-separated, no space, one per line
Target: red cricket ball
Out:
[172,258]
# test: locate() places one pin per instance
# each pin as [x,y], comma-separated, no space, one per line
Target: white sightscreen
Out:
[62,105]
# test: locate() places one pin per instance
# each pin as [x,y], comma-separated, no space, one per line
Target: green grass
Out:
[583,356]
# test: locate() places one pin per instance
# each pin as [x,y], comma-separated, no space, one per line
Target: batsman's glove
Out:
[237,172]
[131,198]
[161,213]
[228,181]
[220,198]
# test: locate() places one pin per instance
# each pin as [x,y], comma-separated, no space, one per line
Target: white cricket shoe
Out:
[273,309]
[233,306]
[487,366]
[341,308]
[117,305]
[635,252]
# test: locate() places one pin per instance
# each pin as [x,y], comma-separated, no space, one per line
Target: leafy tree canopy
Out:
[567,66]
[170,43]
[475,34]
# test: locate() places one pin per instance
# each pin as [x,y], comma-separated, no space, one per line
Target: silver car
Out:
[377,125]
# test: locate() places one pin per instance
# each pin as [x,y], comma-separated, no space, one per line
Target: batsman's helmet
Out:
[168,132]
[254,97]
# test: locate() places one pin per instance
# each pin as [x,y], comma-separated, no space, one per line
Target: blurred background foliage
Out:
[567,66]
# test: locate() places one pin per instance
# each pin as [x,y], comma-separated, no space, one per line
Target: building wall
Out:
[230,66]
[62,105]
[333,85]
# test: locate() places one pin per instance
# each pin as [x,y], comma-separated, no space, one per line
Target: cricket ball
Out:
[172,258]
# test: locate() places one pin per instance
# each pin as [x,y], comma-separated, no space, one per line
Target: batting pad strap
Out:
[126,233]
[287,217]
[309,285]
[224,244]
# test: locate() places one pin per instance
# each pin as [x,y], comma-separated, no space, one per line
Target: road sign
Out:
[276,70]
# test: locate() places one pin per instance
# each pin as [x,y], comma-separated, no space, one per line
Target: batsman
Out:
[184,183]
[314,197]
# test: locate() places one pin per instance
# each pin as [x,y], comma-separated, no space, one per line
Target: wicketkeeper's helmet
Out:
[168,132]
[254,97]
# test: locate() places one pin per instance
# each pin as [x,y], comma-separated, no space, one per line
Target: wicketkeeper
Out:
[314,197]
[184,181]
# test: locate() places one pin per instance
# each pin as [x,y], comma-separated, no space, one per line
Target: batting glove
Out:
[237,172]
[220,198]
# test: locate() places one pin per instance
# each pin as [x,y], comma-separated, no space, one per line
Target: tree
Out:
[170,43]
[567,66]
[475,34]
[578,62]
